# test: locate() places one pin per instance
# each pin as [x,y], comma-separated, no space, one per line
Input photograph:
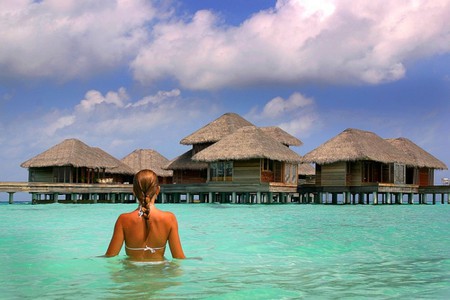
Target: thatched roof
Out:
[70,152]
[185,162]
[247,143]
[355,145]
[306,169]
[282,136]
[216,130]
[420,157]
[141,159]
[120,167]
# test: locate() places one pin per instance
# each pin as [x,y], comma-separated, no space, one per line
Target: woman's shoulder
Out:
[126,216]
[167,215]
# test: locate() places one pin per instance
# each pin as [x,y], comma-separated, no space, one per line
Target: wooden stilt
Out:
[375,198]
[334,198]
[11,197]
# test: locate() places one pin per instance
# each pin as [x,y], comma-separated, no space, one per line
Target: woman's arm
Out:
[116,240]
[174,240]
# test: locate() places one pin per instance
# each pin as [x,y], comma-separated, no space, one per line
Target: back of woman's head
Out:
[145,187]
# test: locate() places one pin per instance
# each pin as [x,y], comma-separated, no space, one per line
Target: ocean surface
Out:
[236,252]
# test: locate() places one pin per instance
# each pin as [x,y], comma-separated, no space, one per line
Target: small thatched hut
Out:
[420,169]
[356,157]
[249,154]
[141,159]
[72,161]
[230,156]
[185,170]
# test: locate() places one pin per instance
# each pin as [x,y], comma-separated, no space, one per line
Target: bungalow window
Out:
[290,173]
[221,171]
[267,165]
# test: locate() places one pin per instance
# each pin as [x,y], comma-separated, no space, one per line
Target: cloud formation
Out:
[345,41]
[69,39]
[296,41]
[112,121]
[296,114]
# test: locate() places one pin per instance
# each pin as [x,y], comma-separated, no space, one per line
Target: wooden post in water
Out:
[375,198]
[74,198]
[320,197]
[210,197]
[400,198]
[410,198]
[188,197]
[11,197]
[334,198]
[361,198]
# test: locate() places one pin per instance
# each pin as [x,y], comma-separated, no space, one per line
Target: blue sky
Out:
[123,75]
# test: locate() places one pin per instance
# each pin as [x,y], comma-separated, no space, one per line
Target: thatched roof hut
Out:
[71,152]
[419,156]
[216,130]
[356,145]
[282,136]
[248,142]
[185,162]
[141,159]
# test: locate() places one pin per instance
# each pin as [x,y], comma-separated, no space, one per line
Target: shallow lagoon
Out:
[240,252]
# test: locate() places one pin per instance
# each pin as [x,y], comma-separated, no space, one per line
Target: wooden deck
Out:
[232,193]
[371,193]
[43,192]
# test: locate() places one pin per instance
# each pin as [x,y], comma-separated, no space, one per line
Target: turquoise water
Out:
[241,252]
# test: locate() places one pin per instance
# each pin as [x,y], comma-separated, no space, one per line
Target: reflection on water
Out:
[142,279]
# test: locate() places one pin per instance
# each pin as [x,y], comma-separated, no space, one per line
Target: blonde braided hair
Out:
[145,186]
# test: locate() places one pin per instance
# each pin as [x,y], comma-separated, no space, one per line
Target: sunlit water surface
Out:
[237,252]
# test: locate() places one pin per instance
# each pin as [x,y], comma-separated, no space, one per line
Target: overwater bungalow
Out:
[72,161]
[187,171]
[420,171]
[77,172]
[358,162]
[356,157]
[236,161]
[141,159]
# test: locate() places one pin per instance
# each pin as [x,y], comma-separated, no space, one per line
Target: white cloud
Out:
[61,122]
[278,106]
[334,41]
[94,98]
[69,39]
[296,114]
[155,99]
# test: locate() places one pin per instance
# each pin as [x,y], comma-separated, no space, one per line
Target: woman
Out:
[147,229]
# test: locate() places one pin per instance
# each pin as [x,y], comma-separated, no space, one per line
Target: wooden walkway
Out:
[42,192]
[122,193]
[374,194]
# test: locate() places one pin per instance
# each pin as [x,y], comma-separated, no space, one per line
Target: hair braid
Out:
[145,185]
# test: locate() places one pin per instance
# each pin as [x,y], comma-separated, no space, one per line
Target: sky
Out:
[124,75]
